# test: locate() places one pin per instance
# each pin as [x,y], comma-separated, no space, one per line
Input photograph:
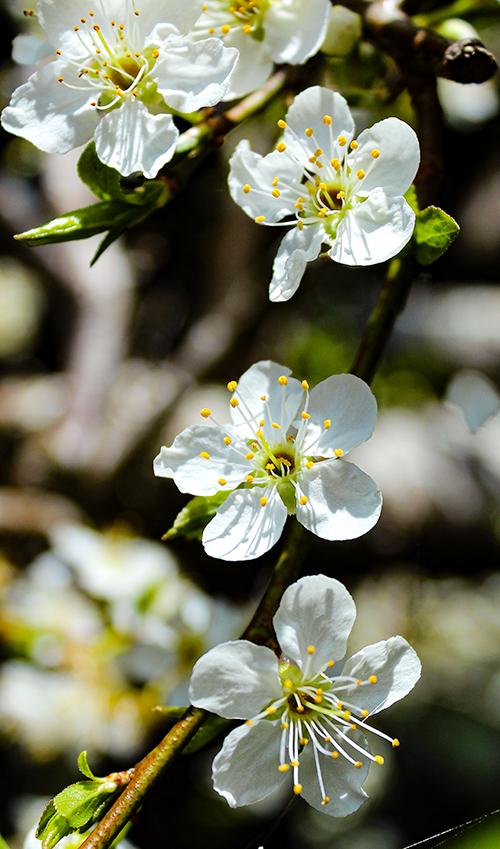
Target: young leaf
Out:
[83,766]
[81,803]
[435,231]
[197,513]
[80,224]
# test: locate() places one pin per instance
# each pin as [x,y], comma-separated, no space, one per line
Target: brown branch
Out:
[419,51]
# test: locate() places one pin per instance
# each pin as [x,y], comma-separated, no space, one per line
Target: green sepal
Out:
[435,231]
[211,728]
[193,518]
[288,495]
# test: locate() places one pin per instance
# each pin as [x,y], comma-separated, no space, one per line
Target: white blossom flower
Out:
[301,717]
[283,453]
[121,66]
[475,396]
[282,31]
[329,187]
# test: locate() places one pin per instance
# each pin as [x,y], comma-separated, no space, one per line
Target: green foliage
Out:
[193,518]
[435,231]
[77,807]
[118,210]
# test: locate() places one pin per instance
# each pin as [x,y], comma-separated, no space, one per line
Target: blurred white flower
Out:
[300,715]
[475,396]
[343,33]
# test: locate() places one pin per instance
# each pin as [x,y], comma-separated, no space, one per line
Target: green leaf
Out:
[195,516]
[411,197]
[80,224]
[81,803]
[52,827]
[103,181]
[83,766]
[435,231]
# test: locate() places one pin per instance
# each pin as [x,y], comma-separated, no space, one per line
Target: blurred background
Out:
[99,367]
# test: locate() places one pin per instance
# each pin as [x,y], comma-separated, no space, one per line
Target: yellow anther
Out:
[311,649]
[346,714]
[259,219]
[283,768]
[288,684]
[275,181]
[340,705]
[270,467]
[222,481]
[254,446]
[250,478]
[285,726]
[246,188]
[205,413]
[249,456]
[335,163]
[305,416]
[379,760]
[263,501]
[231,386]
[327,424]
[339,452]
[281,124]
[204,455]
[360,174]
[225,28]
[373,679]
[328,120]
[276,193]
[227,440]
[249,722]
[263,397]
[234,402]
[318,699]
[283,380]
[318,151]
[353,726]
[358,765]
[310,464]
[309,132]
[295,763]
[275,425]
[155,54]
[340,195]
[297,789]
[281,147]
[304,741]
[335,755]
[375,153]
[305,385]
[303,500]
[300,708]
[330,664]
[354,145]
[395,743]
[271,709]
[342,141]
[358,682]
[322,212]
[247,29]
[365,713]
[325,800]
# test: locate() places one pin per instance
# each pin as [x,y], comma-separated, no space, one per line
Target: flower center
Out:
[223,17]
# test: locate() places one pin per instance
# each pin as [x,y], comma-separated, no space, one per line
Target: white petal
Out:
[199,475]
[182,16]
[48,114]
[396,666]
[236,680]
[246,768]
[308,110]
[243,529]
[29,49]
[193,74]
[57,19]
[297,248]
[343,502]
[132,139]
[314,611]
[394,170]
[254,64]
[294,30]
[475,395]
[349,405]
[280,405]
[251,169]
[373,231]
[343,782]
